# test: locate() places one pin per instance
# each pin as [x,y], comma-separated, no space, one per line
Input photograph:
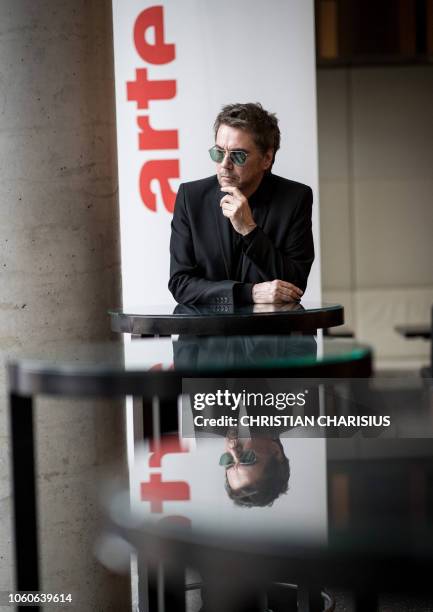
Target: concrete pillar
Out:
[60,267]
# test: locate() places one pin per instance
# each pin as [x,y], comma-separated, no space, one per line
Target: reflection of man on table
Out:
[257,470]
[244,235]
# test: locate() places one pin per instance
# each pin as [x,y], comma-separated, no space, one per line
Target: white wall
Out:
[376,188]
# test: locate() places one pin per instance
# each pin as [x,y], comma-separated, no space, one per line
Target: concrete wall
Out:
[59,267]
[376,192]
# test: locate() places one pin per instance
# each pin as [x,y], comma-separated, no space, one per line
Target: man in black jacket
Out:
[244,235]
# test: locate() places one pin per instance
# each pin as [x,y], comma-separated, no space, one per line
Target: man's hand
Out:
[276,292]
[235,207]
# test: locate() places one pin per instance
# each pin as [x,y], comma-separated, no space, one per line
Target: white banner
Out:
[176,64]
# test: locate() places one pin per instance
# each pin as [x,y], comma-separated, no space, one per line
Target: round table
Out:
[348,520]
[151,369]
[152,366]
[227,319]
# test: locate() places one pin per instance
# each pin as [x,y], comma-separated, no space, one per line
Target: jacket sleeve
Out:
[187,283]
[292,262]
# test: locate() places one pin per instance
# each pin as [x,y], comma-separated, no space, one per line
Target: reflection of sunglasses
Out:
[237,157]
[247,457]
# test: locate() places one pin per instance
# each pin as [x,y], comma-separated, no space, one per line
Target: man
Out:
[244,235]
[257,470]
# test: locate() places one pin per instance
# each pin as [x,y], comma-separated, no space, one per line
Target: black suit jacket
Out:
[201,245]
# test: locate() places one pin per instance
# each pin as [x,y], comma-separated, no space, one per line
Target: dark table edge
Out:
[260,323]
[361,566]
[165,384]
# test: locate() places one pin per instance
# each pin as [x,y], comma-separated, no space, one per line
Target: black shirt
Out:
[243,292]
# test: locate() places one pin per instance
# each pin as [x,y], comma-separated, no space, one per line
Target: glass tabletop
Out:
[340,496]
[223,309]
[190,353]
[367,492]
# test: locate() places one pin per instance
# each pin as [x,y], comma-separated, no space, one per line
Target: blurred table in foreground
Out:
[153,370]
[378,536]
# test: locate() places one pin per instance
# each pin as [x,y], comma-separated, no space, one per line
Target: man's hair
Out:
[252,118]
[273,483]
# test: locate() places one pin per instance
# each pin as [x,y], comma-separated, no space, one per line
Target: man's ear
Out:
[277,451]
[267,160]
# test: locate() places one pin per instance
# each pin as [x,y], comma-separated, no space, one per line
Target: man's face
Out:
[241,476]
[247,177]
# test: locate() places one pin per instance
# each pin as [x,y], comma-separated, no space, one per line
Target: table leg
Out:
[172,583]
[168,417]
[309,599]
[226,597]
[365,601]
[24,494]
[282,598]
[173,591]
[160,590]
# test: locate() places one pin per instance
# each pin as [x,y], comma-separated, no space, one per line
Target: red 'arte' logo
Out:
[142,90]
[156,490]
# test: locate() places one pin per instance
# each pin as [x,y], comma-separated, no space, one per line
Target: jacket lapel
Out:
[223,232]
[261,205]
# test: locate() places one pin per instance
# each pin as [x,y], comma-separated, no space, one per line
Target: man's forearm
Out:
[273,263]
[187,289]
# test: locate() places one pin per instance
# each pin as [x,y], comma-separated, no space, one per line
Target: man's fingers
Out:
[276,292]
[284,285]
[288,285]
[289,297]
[227,199]
[289,293]
[292,287]
[273,293]
[233,195]
[228,209]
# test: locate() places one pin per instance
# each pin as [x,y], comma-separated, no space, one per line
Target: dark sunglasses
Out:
[237,157]
[247,457]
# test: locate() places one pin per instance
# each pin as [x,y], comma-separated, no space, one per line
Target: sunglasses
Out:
[237,157]
[247,457]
